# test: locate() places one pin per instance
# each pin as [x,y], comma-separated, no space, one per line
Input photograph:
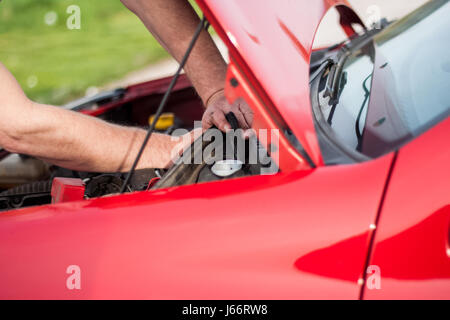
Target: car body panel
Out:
[287,236]
[411,245]
[302,234]
[274,39]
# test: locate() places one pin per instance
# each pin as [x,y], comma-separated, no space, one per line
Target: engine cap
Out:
[226,168]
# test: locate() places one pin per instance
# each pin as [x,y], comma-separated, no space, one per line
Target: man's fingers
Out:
[182,143]
[196,133]
[247,112]
[207,121]
[240,117]
[220,121]
[215,115]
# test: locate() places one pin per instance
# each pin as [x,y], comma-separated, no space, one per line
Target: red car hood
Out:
[274,39]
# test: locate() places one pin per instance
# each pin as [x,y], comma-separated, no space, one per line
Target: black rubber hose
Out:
[232,120]
[32,188]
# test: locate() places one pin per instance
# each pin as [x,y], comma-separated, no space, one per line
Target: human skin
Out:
[173,23]
[73,140]
[78,142]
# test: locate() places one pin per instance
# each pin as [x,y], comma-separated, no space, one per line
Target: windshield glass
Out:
[394,87]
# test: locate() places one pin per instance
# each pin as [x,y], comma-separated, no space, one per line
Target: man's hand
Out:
[218,106]
[173,23]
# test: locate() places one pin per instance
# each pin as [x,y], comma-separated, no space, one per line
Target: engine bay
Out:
[25,181]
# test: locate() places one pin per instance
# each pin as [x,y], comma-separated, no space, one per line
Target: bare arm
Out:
[70,139]
[173,23]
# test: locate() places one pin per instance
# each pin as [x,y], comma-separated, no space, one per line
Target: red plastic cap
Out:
[67,190]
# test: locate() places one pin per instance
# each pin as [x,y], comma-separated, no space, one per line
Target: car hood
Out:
[275,39]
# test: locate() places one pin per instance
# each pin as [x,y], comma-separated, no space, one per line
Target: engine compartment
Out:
[29,182]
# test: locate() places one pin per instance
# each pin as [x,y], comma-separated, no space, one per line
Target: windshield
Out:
[396,85]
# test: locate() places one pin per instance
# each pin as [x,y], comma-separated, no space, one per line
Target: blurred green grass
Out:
[54,64]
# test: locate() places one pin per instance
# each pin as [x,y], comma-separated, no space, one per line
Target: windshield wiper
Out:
[322,66]
[337,78]
[358,132]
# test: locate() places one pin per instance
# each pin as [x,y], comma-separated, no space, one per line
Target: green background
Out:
[54,64]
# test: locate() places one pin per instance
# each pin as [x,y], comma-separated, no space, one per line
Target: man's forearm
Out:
[173,23]
[84,143]
[73,140]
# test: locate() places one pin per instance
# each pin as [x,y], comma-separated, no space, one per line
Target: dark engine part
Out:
[186,171]
[97,185]
[106,184]
[103,185]
[27,195]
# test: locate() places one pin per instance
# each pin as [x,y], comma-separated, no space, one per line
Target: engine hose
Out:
[27,189]
[27,195]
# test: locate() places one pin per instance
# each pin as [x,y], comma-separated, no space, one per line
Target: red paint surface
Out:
[237,239]
[277,64]
[67,190]
[301,234]
[412,237]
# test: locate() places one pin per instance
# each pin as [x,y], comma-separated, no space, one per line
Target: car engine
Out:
[25,181]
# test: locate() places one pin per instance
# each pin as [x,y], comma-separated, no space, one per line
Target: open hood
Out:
[274,39]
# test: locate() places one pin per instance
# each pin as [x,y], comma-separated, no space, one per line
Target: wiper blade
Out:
[323,65]
[337,79]
[358,132]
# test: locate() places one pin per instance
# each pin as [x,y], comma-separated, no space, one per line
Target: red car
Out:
[358,208]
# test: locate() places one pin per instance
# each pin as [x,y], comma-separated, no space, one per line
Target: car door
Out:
[411,255]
